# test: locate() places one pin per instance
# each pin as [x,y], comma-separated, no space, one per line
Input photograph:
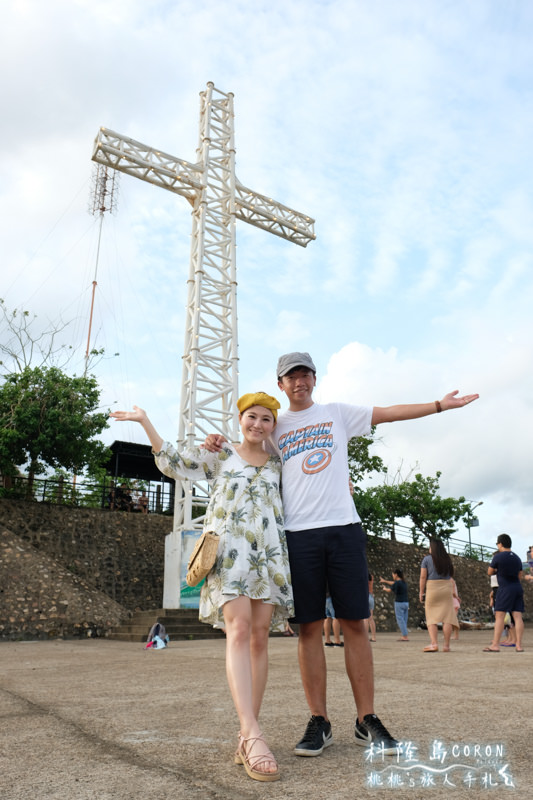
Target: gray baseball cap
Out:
[291,360]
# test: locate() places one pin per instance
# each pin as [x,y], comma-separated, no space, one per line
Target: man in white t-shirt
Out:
[326,541]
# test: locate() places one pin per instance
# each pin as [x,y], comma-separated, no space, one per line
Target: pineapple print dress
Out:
[245,510]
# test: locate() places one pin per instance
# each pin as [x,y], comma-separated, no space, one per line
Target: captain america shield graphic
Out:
[316,461]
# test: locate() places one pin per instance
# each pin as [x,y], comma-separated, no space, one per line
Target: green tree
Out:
[397,498]
[48,419]
[430,513]
[418,500]
[360,461]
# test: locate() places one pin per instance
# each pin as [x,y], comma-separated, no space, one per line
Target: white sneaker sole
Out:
[311,753]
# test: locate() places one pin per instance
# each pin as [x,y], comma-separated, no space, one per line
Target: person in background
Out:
[529,575]
[371,605]
[509,640]
[456,607]
[436,588]
[123,500]
[398,587]
[142,502]
[288,630]
[510,596]
[330,621]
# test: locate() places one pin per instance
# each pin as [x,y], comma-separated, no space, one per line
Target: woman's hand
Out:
[137,415]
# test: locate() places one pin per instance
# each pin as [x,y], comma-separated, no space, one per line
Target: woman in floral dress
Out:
[249,588]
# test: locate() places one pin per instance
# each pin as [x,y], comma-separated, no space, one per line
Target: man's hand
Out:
[418,410]
[450,400]
[214,442]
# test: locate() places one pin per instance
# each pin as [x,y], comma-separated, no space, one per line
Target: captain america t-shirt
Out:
[313,447]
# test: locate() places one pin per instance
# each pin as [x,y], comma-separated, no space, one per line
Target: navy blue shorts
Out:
[333,557]
[510,598]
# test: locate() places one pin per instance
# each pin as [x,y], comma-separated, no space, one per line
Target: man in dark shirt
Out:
[510,596]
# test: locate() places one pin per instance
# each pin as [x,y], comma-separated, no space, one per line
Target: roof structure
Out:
[131,460]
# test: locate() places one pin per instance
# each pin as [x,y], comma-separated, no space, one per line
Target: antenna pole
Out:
[104,198]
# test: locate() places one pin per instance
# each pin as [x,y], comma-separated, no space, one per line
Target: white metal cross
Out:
[209,389]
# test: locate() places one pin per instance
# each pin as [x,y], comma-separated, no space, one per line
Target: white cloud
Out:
[403,128]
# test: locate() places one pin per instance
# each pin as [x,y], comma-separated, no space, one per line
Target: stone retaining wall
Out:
[68,571]
[118,556]
[40,599]
[470,576]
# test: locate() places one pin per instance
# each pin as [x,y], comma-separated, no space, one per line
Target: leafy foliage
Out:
[48,419]
[360,461]
[430,513]
[418,500]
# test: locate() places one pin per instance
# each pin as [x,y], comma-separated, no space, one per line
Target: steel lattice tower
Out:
[209,387]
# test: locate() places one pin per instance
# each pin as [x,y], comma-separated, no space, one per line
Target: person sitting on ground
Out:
[142,503]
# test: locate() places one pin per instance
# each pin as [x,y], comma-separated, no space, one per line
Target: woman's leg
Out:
[447,628]
[372,627]
[246,674]
[335,624]
[519,629]
[261,617]
[433,634]
[402,611]
[238,624]
[406,619]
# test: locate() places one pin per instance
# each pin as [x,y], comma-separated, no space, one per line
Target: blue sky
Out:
[404,129]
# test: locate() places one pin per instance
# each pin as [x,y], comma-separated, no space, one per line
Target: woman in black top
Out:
[398,587]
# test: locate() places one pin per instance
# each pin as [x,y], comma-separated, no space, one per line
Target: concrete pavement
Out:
[106,720]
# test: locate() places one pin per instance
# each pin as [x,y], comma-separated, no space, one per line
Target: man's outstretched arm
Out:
[416,410]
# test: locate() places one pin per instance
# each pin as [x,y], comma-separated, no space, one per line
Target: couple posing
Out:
[319,533]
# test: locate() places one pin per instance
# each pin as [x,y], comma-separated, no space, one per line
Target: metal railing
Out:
[455,546]
[160,500]
[113,494]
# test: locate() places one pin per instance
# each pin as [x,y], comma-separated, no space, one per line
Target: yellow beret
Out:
[258,399]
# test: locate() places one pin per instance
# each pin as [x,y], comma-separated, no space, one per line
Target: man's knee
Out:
[355,627]
[311,630]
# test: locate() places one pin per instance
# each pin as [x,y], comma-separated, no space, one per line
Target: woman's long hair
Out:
[441,558]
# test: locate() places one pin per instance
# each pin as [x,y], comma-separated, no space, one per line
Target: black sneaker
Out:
[371,731]
[317,736]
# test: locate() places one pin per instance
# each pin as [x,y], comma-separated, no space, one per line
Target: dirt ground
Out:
[106,720]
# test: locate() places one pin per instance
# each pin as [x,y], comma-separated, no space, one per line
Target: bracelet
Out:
[438,406]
